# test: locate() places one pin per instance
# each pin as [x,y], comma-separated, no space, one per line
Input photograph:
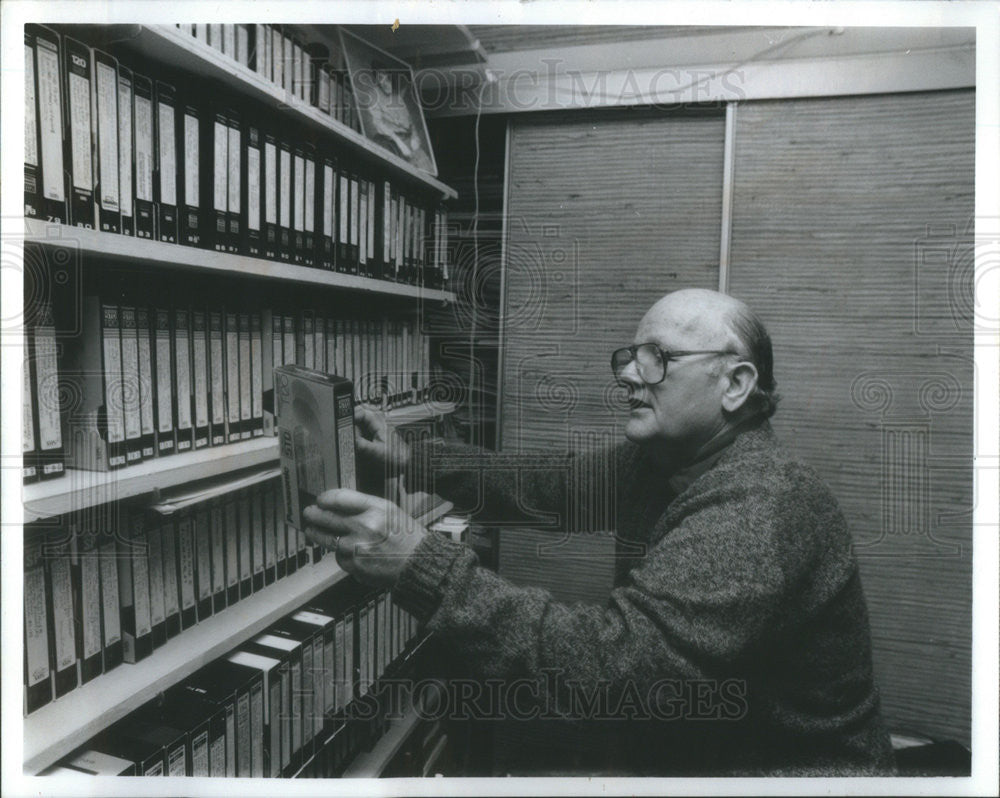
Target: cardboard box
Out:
[315,418]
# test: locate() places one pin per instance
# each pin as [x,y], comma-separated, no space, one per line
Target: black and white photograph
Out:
[500,398]
[390,111]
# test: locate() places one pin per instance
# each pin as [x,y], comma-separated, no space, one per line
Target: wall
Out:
[607,211]
[849,238]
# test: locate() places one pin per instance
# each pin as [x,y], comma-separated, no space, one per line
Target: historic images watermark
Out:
[555,85]
[554,695]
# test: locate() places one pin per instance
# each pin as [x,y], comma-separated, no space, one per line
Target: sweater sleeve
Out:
[702,598]
[533,489]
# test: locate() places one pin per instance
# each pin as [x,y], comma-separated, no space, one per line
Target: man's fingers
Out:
[345,558]
[349,547]
[331,522]
[367,421]
[347,538]
[345,501]
[367,448]
[324,537]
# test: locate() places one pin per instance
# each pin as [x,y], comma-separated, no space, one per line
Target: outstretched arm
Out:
[533,489]
[697,604]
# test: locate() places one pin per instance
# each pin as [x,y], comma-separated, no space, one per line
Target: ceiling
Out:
[450,58]
[687,44]
[510,38]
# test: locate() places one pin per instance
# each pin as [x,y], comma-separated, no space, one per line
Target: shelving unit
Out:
[371,764]
[61,726]
[177,49]
[111,246]
[79,489]
[57,728]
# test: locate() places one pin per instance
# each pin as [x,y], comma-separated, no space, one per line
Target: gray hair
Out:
[756,341]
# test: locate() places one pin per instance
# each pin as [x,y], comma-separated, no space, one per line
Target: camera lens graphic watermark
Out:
[956,279]
[48,268]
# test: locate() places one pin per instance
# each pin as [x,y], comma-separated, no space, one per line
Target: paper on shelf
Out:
[219,487]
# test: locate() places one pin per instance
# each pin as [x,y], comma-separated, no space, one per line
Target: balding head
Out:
[712,320]
[703,318]
[721,375]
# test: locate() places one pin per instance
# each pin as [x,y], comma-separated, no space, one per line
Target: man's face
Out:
[683,411]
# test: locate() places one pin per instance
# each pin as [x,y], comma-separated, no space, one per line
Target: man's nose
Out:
[630,374]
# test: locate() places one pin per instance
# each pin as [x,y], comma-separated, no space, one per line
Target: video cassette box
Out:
[315,420]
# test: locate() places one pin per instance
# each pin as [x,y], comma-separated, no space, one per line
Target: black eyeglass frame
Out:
[665,357]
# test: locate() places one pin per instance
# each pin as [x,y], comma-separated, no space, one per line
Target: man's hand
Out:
[372,537]
[379,449]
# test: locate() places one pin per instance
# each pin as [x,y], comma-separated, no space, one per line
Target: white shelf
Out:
[421,412]
[370,764]
[61,726]
[436,512]
[58,728]
[170,46]
[79,489]
[178,256]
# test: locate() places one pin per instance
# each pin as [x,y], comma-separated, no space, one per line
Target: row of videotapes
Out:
[111,583]
[109,149]
[300,699]
[279,54]
[140,381]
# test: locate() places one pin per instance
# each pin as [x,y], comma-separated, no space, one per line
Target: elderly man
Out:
[747,583]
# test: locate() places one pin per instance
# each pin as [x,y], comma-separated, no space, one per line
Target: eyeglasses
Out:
[651,361]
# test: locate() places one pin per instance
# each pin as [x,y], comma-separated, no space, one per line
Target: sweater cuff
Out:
[420,588]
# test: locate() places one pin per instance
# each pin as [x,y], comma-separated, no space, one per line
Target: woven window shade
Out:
[850,238]
[607,211]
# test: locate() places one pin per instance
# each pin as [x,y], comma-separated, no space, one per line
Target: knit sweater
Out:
[745,596]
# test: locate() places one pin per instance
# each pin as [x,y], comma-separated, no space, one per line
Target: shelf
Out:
[436,512]
[178,256]
[61,726]
[412,413]
[79,489]
[370,764]
[86,710]
[169,45]
[58,728]
[435,754]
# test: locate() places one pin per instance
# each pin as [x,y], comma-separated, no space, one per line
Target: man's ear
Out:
[742,382]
